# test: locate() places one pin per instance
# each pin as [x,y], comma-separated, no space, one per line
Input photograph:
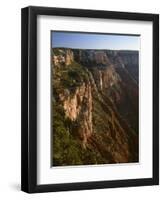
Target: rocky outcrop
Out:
[78,107]
[72,104]
[63,57]
[69,57]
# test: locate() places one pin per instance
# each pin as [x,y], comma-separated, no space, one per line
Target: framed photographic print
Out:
[90,99]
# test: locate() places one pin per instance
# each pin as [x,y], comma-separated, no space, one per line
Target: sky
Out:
[95,41]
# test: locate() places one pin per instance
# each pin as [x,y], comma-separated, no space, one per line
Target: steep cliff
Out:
[95,106]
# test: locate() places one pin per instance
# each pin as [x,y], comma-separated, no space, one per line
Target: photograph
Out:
[94,98]
[89,99]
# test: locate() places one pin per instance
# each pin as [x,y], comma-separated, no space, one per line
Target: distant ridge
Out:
[127,50]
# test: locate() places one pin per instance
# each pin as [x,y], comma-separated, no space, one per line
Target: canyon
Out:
[95,106]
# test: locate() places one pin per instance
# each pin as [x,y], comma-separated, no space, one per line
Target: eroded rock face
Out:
[69,57]
[79,107]
[129,57]
[89,57]
[106,78]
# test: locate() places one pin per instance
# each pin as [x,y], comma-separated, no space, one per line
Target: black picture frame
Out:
[29,99]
